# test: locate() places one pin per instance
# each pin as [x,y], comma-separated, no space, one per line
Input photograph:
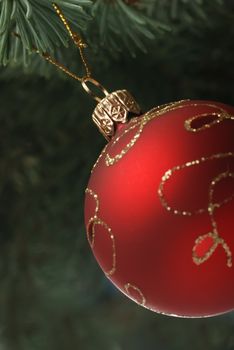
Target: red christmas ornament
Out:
[159,205]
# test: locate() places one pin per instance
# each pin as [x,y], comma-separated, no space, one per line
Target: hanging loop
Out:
[86,80]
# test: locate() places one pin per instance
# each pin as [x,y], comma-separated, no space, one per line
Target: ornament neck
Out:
[113,111]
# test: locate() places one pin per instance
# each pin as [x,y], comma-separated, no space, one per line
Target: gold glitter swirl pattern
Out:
[140,123]
[158,111]
[95,197]
[111,160]
[99,158]
[128,287]
[91,225]
[168,174]
[214,234]
[91,233]
[217,118]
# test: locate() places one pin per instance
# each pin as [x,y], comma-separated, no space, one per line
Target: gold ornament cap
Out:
[112,110]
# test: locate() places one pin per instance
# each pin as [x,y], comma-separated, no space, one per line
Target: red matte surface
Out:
[153,246]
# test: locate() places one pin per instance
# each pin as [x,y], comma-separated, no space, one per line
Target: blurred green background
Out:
[52,293]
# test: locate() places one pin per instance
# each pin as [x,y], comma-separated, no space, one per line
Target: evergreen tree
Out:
[53,295]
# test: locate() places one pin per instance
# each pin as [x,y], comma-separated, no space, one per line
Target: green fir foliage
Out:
[115,26]
[38,26]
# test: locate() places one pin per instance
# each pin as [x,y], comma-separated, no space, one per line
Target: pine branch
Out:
[38,26]
[184,11]
[118,27]
[125,25]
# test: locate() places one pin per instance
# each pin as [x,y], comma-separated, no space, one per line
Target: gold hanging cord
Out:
[81,45]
